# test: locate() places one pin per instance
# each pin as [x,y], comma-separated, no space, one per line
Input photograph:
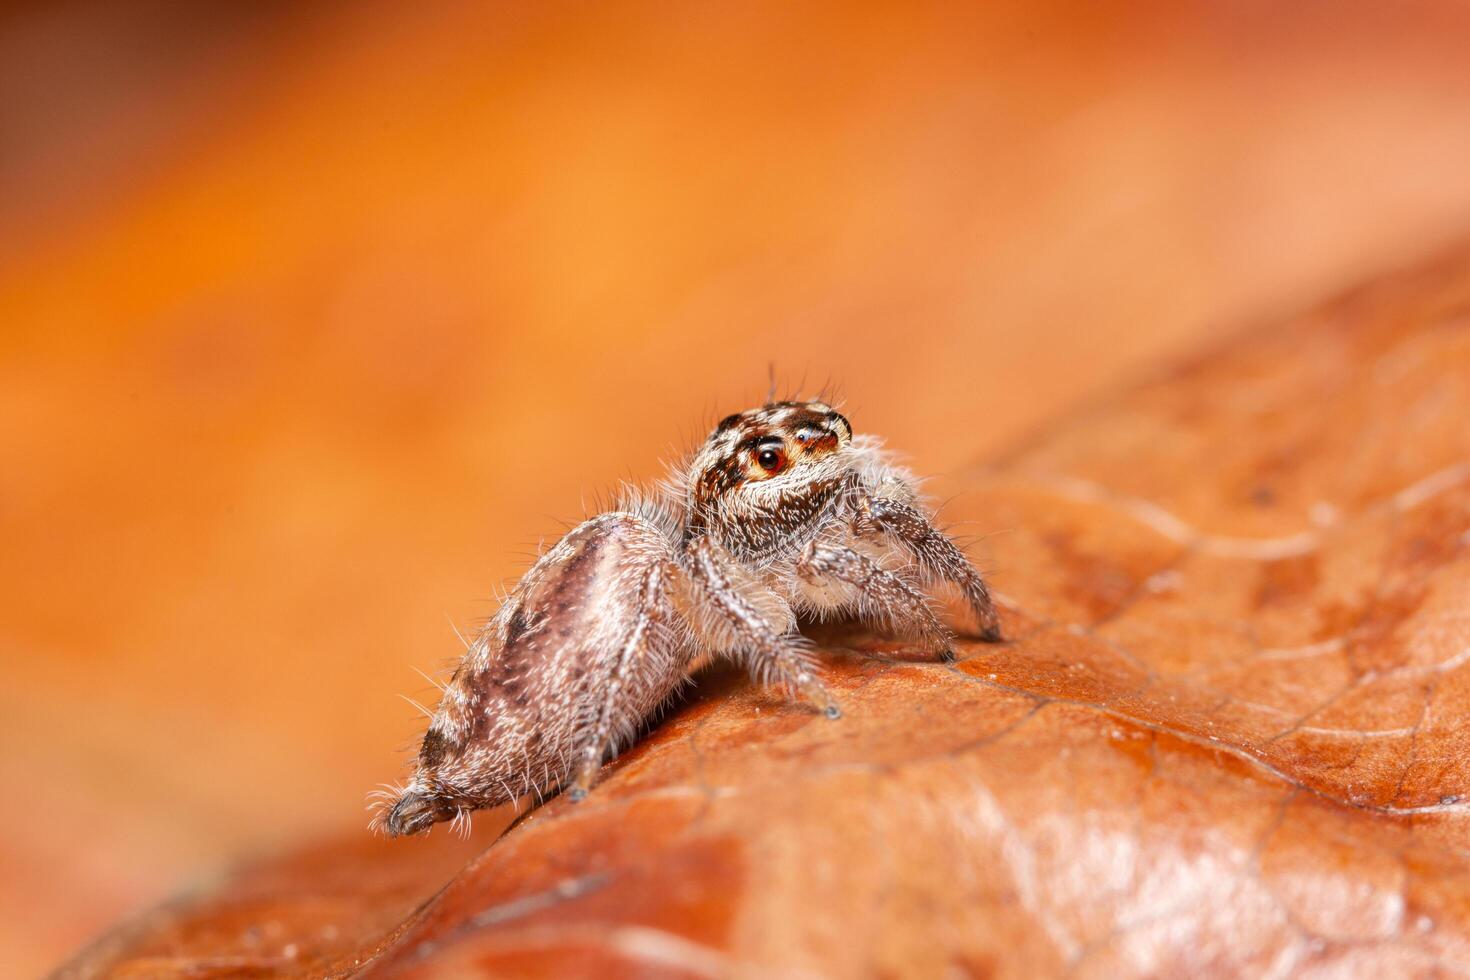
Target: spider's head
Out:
[779,461]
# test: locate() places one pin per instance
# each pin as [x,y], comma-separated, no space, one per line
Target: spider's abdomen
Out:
[533,688]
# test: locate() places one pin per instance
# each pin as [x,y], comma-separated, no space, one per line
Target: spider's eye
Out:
[771,460]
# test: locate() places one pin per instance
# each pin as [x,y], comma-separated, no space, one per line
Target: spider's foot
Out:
[815,692]
[938,646]
[582,782]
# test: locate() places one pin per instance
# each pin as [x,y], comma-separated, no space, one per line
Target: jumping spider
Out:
[783,512]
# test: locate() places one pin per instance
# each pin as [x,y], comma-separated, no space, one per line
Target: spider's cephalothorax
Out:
[768,479]
[783,512]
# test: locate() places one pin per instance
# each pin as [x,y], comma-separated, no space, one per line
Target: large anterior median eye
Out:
[772,459]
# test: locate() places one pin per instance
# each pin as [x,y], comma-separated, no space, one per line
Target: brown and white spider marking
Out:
[783,512]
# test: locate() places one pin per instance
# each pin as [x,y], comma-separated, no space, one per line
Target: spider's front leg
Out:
[873,591]
[739,617]
[937,555]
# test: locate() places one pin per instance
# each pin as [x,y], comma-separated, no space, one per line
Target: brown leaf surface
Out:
[278,283]
[1227,736]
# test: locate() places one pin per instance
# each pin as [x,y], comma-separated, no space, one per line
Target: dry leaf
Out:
[1228,736]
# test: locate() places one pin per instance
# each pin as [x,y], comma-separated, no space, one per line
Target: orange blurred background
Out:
[315,319]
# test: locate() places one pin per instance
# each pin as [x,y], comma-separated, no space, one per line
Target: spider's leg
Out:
[606,727]
[734,622]
[937,555]
[874,592]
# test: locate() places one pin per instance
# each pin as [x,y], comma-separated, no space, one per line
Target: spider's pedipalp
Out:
[872,592]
